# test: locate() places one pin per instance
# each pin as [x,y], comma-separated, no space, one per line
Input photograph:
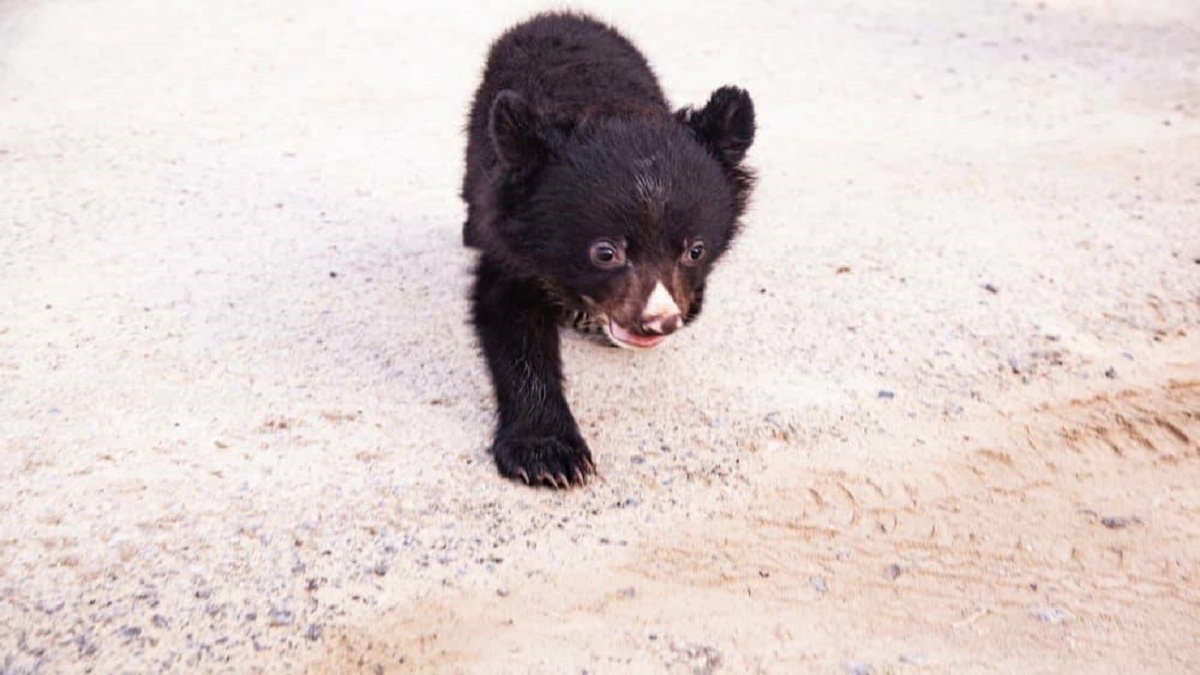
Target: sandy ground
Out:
[942,414]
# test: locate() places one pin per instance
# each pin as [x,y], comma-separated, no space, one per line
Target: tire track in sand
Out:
[1072,532]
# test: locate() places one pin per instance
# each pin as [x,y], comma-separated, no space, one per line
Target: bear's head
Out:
[620,215]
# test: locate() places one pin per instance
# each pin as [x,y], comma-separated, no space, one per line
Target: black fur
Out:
[583,191]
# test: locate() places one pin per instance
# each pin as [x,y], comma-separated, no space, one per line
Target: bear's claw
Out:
[552,461]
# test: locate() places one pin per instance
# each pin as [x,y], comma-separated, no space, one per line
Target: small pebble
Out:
[893,571]
[314,632]
[502,592]
[281,617]
[1118,522]
[1111,373]
[857,668]
[991,288]
[885,394]
[818,584]
[627,592]
[380,569]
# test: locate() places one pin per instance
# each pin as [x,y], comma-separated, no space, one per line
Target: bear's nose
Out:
[661,315]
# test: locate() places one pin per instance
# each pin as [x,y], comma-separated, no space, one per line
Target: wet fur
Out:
[570,139]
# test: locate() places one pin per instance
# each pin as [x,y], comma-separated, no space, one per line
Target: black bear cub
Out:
[592,204]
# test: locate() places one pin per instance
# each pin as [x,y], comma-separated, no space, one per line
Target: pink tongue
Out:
[635,340]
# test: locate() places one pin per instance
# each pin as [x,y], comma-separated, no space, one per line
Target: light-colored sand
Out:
[244,422]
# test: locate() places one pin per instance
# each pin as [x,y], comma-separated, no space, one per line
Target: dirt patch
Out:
[1064,538]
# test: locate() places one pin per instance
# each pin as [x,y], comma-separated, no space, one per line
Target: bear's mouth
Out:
[624,338]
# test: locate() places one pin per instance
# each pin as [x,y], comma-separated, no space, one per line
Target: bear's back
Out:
[571,66]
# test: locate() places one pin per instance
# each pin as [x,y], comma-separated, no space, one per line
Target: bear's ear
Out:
[725,125]
[518,133]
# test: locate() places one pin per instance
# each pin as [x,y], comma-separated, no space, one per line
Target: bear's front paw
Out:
[556,461]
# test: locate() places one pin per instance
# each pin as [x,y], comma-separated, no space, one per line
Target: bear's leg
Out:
[537,439]
[468,234]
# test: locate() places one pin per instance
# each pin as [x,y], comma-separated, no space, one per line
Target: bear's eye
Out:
[607,255]
[694,253]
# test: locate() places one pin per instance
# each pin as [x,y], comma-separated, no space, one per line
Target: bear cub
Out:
[592,204]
